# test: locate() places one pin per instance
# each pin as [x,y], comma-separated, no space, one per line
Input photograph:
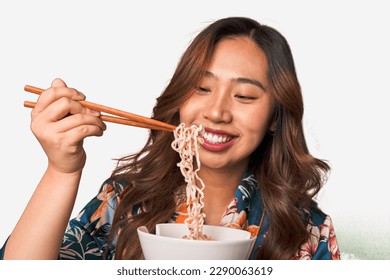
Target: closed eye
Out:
[203,89]
[244,97]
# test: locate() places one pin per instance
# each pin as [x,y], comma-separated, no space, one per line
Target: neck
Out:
[218,192]
[221,177]
[220,182]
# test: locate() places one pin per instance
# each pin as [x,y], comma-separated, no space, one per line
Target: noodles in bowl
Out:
[168,243]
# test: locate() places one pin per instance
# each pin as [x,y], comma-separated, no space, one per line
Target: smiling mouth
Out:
[215,138]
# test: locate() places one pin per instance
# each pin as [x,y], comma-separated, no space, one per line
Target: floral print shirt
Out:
[86,234]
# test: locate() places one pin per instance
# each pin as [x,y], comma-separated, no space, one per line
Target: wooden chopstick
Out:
[125,118]
[112,119]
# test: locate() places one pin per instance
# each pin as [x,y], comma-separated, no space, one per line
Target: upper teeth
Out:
[213,138]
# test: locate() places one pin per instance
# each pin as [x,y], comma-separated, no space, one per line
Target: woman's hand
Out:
[60,123]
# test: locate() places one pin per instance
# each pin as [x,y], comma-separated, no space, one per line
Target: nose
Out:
[218,108]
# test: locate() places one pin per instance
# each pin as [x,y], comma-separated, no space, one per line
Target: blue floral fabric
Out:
[86,234]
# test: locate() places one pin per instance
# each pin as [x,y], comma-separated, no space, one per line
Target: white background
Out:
[122,54]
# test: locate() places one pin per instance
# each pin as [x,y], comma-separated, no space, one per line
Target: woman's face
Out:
[233,103]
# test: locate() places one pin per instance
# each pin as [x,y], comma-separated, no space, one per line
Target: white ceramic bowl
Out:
[168,243]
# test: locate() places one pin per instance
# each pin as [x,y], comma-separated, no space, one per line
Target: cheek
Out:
[256,126]
[257,135]
[190,110]
[186,112]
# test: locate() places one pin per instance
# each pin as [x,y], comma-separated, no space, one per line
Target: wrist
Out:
[56,174]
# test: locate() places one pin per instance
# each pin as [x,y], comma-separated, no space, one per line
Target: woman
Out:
[238,80]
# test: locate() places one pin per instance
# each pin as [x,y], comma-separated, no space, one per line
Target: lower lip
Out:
[217,147]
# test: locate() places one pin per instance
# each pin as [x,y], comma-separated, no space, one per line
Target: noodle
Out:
[186,143]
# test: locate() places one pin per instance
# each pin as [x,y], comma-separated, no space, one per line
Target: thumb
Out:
[58,83]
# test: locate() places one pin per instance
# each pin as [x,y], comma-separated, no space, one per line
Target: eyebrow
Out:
[241,80]
[249,81]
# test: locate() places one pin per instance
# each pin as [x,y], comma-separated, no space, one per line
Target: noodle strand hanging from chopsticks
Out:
[186,143]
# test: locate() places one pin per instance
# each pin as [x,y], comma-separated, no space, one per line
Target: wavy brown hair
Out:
[288,176]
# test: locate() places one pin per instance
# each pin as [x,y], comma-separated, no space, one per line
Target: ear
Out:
[272,128]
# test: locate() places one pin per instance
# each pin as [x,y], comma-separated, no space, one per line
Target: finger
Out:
[57,82]
[79,133]
[61,108]
[69,131]
[54,93]
[78,120]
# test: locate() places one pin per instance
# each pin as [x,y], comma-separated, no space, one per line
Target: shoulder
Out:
[317,216]
[113,186]
[100,210]
[108,199]
[321,225]
[322,243]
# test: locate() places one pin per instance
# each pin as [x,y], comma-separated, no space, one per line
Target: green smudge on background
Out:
[366,244]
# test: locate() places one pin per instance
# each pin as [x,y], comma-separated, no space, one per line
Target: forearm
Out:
[39,232]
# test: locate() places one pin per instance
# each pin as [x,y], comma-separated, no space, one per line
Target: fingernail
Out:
[81,94]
